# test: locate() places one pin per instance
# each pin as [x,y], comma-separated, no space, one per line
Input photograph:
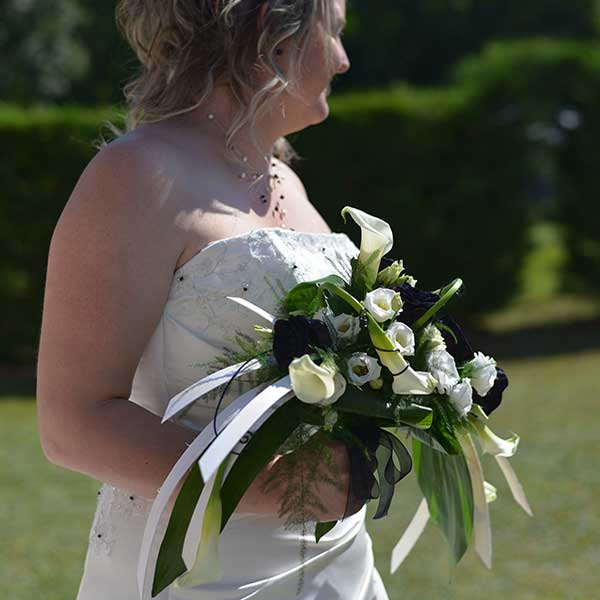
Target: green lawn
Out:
[45,511]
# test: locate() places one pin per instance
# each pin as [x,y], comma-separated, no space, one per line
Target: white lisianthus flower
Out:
[433,337]
[402,336]
[482,371]
[346,326]
[442,366]
[405,379]
[363,368]
[461,397]
[383,304]
[315,384]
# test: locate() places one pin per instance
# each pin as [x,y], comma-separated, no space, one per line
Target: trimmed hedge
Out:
[45,152]
[555,84]
[444,170]
[448,175]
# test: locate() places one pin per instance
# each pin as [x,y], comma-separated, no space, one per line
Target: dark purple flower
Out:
[460,350]
[296,336]
[416,302]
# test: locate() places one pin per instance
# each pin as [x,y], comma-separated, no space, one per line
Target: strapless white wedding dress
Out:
[261,560]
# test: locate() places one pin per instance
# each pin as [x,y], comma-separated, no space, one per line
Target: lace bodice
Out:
[199,322]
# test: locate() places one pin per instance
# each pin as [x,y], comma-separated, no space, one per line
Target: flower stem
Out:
[446,295]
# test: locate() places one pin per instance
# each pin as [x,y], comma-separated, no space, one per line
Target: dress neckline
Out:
[267,230]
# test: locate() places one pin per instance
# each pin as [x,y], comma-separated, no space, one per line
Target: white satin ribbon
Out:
[183,399]
[231,434]
[229,415]
[410,536]
[255,309]
[482,529]
[514,484]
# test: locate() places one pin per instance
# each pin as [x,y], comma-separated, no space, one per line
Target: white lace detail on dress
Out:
[114,506]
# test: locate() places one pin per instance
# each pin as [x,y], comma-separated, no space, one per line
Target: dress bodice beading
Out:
[260,558]
[199,322]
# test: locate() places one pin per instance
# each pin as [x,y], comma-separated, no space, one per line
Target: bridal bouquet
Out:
[363,361]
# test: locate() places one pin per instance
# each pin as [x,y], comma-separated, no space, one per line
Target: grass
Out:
[552,401]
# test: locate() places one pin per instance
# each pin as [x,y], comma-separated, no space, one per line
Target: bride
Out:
[194,202]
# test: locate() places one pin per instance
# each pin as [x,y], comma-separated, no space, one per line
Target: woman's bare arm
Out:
[110,268]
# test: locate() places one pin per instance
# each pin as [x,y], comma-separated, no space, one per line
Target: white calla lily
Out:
[315,384]
[207,565]
[376,240]
[363,368]
[491,493]
[494,444]
[383,304]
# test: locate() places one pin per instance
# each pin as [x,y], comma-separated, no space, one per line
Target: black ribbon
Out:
[372,449]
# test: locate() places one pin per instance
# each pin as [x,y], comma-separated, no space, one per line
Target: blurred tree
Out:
[70,51]
[111,59]
[420,41]
[41,54]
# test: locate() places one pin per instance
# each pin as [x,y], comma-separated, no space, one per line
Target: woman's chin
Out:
[323,105]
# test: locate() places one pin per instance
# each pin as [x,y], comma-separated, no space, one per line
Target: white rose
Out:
[403,337]
[383,304]
[442,366]
[363,368]
[315,384]
[346,326]
[461,397]
[482,371]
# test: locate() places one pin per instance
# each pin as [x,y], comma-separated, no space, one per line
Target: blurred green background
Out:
[472,128]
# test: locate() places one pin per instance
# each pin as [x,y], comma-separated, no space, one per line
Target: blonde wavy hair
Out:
[185,46]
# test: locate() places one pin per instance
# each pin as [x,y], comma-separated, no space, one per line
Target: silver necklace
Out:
[277,211]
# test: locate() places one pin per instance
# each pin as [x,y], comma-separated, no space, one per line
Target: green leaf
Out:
[444,421]
[446,485]
[322,528]
[170,564]
[305,297]
[374,405]
[256,454]
[446,294]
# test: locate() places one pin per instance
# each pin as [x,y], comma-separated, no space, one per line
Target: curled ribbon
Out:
[372,449]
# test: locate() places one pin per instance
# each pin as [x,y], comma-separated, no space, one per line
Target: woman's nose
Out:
[343,62]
